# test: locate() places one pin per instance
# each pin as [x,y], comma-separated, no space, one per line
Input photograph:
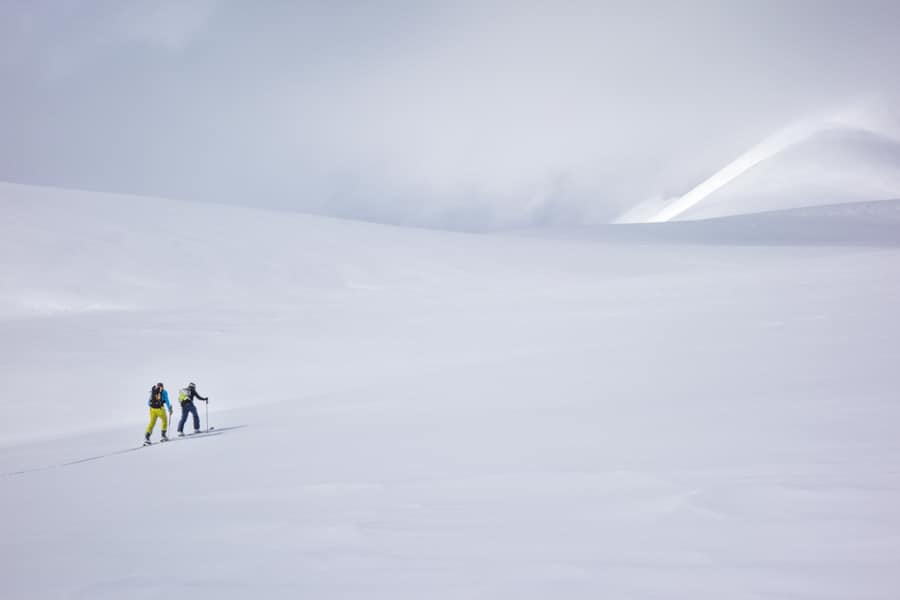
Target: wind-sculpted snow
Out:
[685,410]
[661,210]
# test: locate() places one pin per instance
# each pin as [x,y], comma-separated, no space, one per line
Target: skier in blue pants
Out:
[186,398]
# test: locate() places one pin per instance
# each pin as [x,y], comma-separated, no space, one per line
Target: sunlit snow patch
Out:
[657,210]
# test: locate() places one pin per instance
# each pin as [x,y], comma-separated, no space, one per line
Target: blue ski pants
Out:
[188,408]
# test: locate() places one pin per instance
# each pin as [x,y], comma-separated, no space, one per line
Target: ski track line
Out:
[210,433]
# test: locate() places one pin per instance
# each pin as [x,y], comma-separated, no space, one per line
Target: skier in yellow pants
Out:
[158,403]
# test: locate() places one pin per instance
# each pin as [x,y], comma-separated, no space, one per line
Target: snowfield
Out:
[690,410]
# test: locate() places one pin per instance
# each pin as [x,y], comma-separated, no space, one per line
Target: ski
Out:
[161,441]
[186,436]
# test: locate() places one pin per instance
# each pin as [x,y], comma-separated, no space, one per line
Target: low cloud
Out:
[467,116]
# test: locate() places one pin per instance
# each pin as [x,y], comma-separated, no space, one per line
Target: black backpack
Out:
[156,400]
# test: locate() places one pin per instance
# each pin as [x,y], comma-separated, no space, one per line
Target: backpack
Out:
[184,395]
[156,400]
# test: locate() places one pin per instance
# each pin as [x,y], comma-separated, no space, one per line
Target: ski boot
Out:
[164,438]
[180,434]
[147,441]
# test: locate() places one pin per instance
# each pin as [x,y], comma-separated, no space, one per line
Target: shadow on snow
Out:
[195,436]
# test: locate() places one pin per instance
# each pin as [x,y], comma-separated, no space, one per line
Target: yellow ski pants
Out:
[158,413]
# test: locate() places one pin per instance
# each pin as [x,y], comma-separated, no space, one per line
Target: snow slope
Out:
[862,224]
[834,166]
[651,413]
[845,157]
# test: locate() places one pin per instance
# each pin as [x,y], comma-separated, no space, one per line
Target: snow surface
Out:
[696,410]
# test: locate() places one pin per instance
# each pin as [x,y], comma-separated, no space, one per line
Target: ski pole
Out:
[207,416]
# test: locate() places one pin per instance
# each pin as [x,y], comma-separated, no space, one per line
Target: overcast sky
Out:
[456,114]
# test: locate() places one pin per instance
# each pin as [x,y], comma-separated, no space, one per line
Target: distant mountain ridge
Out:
[872,223]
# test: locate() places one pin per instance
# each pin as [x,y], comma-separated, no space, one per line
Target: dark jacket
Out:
[193,394]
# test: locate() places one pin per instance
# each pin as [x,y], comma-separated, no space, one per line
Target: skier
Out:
[159,398]
[186,398]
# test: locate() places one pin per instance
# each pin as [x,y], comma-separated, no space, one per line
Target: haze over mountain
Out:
[490,300]
[475,116]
